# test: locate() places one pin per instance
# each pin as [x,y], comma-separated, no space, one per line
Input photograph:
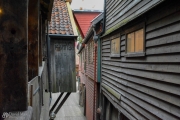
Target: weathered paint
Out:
[13,55]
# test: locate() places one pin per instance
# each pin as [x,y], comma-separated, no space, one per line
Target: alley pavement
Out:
[71,110]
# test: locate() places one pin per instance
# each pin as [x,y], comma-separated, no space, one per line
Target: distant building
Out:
[83,19]
[90,84]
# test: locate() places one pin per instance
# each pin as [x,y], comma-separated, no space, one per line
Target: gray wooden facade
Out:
[63,72]
[144,87]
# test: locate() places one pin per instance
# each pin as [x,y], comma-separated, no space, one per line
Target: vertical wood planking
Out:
[33,38]
[13,55]
[63,65]
[40,39]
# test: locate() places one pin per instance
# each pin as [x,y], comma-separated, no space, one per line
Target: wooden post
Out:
[44,39]
[33,38]
[31,95]
[40,40]
[13,55]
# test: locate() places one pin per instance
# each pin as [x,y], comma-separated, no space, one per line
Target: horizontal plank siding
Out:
[115,16]
[149,86]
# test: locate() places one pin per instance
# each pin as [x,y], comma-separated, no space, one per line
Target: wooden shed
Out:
[140,60]
[62,36]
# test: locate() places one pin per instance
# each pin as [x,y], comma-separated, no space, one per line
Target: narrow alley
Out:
[89,59]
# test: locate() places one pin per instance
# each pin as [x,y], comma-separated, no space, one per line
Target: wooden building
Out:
[83,19]
[88,68]
[62,35]
[24,56]
[140,56]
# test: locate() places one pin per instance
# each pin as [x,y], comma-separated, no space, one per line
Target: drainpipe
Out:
[99,41]
[48,59]
[99,49]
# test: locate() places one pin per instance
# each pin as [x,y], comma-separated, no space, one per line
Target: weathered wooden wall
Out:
[149,86]
[63,68]
[88,68]
[90,64]
[35,97]
[89,98]
[13,55]
[121,11]
[33,38]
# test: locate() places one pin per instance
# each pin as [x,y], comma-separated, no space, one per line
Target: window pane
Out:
[115,46]
[139,42]
[130,42]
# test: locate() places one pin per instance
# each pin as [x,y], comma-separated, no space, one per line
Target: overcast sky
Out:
[88,4]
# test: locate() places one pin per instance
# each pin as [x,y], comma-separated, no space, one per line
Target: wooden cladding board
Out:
[13,55]
[122,11]
[89,98]
[33,39]
[63,68]
[150,85]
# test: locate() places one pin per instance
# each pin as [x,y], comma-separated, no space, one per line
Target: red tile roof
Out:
[60,20]
[84,20]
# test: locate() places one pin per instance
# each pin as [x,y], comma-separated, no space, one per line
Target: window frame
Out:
[119,54]
[91,52]
[133,30]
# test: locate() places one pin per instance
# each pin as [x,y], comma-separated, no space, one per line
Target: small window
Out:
[115,47]
[90,52]
[135,43]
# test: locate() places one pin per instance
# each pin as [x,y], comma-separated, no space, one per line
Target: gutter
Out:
[90,32]
[61,35]
[99,57]
[82,46]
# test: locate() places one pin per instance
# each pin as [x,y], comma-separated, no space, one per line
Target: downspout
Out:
[99,42]
[48,59]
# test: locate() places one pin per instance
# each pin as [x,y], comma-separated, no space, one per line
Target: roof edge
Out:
[72,19]
[60,35]
[128,19]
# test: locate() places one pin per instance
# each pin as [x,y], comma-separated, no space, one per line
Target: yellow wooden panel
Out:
[130,42]
[139,41]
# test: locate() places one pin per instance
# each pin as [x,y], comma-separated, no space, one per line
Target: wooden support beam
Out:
[40,40]
[13,55]
[33,38]
[58,99]
[44,39]
[62,102]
